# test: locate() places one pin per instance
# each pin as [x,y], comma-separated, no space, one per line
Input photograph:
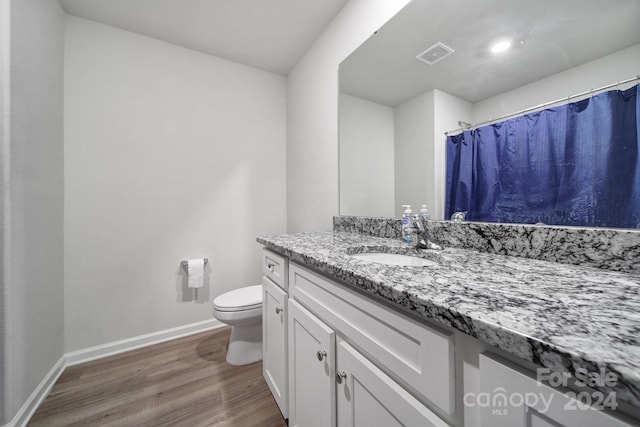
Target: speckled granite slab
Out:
[611,249]
[370,226]
[559,316]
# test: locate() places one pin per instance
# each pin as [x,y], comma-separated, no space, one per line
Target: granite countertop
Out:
[559,316]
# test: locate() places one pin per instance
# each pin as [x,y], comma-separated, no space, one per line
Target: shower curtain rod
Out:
[470,126]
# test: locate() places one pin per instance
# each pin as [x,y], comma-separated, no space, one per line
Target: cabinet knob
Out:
[321,355]
[270,266]
[278,310]
[340,376]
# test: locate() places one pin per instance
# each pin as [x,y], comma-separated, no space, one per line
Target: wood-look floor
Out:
[184,382]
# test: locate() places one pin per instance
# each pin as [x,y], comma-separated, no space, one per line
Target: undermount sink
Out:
[394,259]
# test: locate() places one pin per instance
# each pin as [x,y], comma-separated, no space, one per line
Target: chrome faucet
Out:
[458,216]
[419,228]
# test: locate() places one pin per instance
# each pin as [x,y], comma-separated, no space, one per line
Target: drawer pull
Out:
[321,355]
[278,310]
[270,266]
[340,376]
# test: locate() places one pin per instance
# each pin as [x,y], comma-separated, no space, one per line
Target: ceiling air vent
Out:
[435,53]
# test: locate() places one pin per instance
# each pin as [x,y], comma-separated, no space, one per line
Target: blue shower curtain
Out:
[575,164]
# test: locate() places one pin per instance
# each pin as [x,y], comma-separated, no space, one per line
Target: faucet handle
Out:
[417,222]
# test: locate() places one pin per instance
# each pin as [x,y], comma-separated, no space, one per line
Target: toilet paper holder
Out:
[185,264]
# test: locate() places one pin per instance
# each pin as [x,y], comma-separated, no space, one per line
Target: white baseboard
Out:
[92,353]
[38,395]
[116,347]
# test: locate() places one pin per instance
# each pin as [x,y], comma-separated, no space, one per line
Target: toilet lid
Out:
[240,299]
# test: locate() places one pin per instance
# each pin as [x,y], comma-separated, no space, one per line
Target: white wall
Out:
[169,154]
[312,114]
[5,226]
[611,68]
[366,158]
[32,190]
[402,146]
[413,124]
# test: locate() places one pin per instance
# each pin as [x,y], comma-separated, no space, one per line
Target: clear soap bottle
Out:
[424,213]
[406,224]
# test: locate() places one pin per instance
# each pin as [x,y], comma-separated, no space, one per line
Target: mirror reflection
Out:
[395,108]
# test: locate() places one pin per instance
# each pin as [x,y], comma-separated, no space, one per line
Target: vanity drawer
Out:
[419,357]
[275,268]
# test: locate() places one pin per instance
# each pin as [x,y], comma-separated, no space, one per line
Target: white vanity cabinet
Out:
[334,356]
[392,350]
[514,398]
[274,327]
[337,386]
[312,370]
[274,342]
[418,356]
[367,397]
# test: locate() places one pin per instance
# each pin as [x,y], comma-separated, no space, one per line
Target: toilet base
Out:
[245,344]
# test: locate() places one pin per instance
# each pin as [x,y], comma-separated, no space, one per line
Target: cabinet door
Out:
[510,397]
[367,397]
[274,341]
[311,370]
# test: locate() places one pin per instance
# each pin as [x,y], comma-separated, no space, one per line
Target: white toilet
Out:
[242,309]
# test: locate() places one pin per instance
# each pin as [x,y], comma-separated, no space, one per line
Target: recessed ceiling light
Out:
[500,46]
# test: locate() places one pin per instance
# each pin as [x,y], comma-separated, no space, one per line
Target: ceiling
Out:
[551,36]
[268,34]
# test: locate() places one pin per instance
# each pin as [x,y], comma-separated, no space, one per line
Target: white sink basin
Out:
[394,259]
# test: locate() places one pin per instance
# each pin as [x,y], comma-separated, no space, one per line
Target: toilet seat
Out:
[243,299]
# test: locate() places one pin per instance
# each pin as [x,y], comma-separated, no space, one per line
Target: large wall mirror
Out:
[395,109]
